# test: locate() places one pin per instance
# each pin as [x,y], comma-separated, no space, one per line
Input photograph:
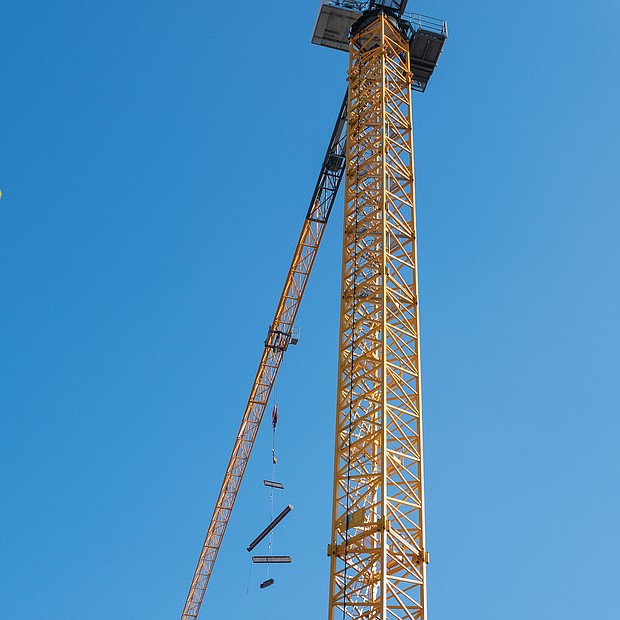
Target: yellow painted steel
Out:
[278,339]
[377,550]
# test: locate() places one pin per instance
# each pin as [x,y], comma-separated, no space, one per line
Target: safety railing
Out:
[416,20]
[424,22]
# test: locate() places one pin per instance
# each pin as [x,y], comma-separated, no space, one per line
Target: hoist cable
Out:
[274,423]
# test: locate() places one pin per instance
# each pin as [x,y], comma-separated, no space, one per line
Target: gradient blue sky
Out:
[156,160]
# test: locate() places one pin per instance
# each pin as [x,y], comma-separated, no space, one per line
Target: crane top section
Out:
[393,5]
[426,35]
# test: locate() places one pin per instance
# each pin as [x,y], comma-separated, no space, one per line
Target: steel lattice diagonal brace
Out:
[377,550]
[279,337]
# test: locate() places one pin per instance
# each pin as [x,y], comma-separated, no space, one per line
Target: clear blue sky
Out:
[156,160]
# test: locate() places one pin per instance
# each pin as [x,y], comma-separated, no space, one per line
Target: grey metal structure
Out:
[333,24]
[426,35]
[273,484]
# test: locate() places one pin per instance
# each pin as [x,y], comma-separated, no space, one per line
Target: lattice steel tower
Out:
[377,551]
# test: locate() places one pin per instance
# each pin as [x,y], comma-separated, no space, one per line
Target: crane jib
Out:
[323,197]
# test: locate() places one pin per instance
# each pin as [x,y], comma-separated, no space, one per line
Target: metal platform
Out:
[426,35]
[424,48]
[334,22]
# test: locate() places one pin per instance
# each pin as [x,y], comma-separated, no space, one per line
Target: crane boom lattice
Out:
[377,550]
[279,336]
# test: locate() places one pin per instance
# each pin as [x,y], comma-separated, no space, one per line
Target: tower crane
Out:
[377,549]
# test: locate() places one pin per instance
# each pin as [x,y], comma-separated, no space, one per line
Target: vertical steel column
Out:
[377,550]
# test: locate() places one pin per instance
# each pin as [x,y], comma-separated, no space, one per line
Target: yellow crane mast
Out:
[377,552]
[377,549]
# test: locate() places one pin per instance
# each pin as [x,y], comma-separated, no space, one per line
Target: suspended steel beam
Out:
[273,485]
[270,527]
[272,559]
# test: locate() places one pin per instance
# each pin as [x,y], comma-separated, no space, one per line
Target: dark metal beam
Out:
[270,527]
[272,559]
